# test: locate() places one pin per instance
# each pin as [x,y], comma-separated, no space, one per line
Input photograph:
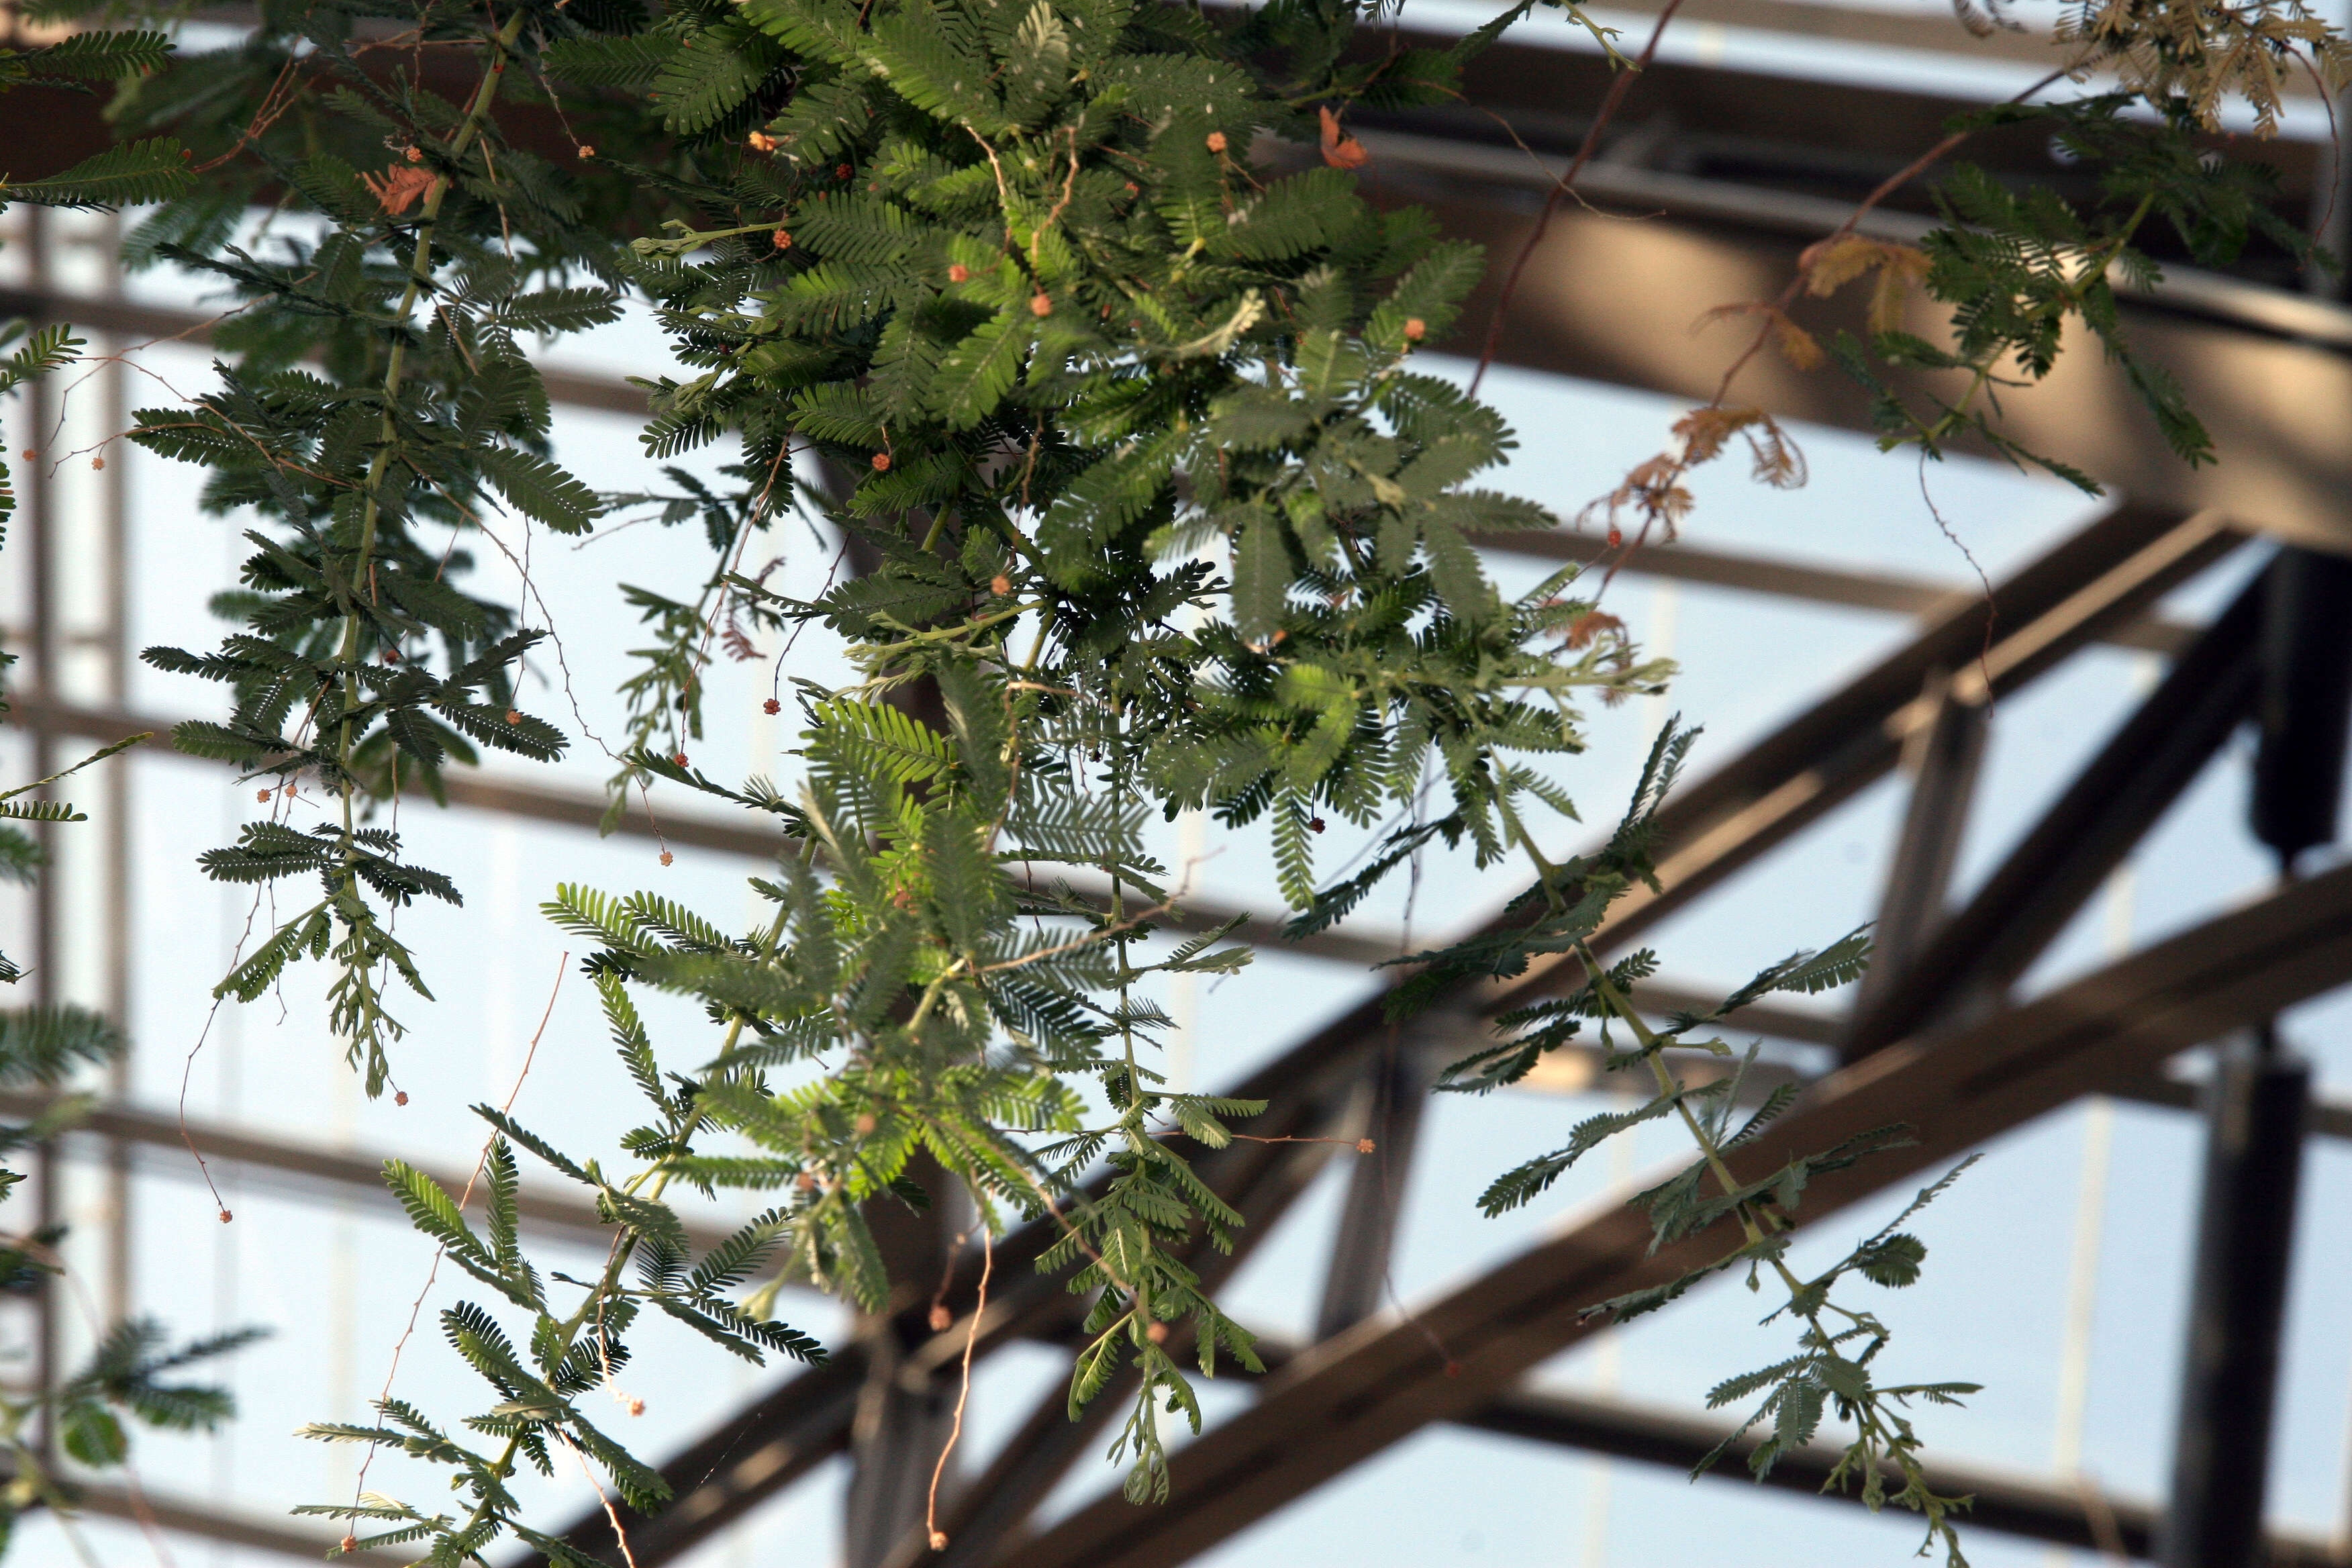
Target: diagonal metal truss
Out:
[1372,1383]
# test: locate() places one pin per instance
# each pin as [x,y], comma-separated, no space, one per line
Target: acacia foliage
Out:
[1160,515]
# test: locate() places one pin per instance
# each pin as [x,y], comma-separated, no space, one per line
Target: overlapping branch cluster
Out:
[1153,513]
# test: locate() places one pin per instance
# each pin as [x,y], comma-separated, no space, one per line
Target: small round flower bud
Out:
[1216,141]
[939,1541]
[866,1124]
[1365,1145]
[1616,537]
[942,1320]
[262,795]
[348,1544]
[760,142]
[1000,585]
[1157,1333]
[587,151]
[666,858]
[1041,304]
[635,1407]
[514,715]
[31,455]
[98,462]
[772,706]
[842,173]
[881,462]
[400,1096]
[1415,329]
[959,273]
[226,1217]
[679,759]
[415,156]
[806,1181]
[1315,825]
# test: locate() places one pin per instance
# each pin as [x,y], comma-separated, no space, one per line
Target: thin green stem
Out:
[395,370]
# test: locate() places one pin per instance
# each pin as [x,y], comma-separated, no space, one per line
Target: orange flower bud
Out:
[881,462]
[1041,304]
[959,273]
[1216,141]
[1415,329]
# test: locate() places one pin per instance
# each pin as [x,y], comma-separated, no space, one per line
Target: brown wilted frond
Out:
[1653,490]
[1341,150]
[1898,269]
[396,190]
[1797,345]
[1705,432]
[1591,626]
[2207,51]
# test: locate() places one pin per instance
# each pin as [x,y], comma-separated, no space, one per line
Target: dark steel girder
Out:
[2048,609]
[1348,1399]
[2093,581]
[2153,757]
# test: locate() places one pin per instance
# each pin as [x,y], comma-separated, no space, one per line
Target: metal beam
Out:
[1611,301]
[2081,1517]
[1714,827]
[2083,835]
[2087,583]
[209,1521]
[306,1170]
[1943,757]
[1345,1401]
[1396,1089]
[1679,562]
[738,1465]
